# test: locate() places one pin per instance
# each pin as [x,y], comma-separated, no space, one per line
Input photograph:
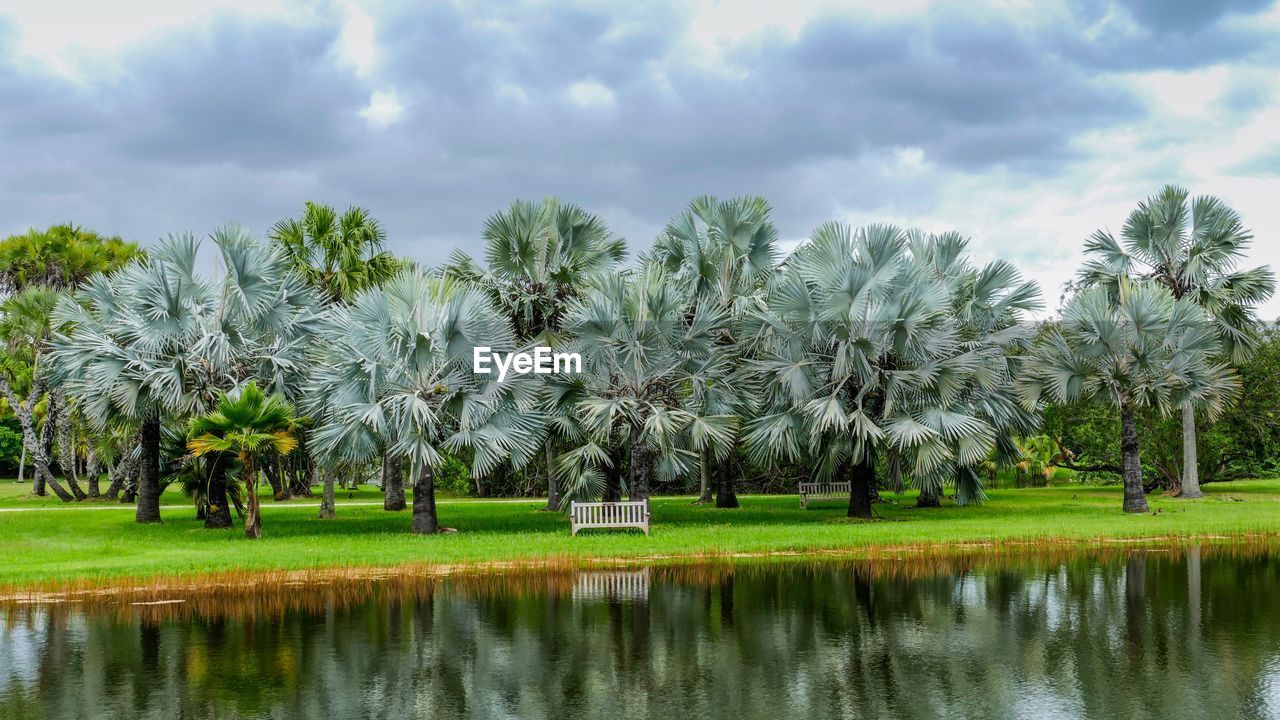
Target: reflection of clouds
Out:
[22,640]
[1269,688]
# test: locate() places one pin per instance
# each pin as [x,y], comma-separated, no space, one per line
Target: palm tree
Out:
[393,374]
[539,256]
[154,340]
[988,303]
[642,353]
[25,331]
[861,360]
[1192,247]
[246,423]
[1142,347]
[61,258]
[720,253]
[339,255]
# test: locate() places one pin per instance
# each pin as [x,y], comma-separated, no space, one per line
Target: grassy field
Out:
[61,543]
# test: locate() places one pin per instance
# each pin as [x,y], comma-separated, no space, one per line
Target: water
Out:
[1182,633]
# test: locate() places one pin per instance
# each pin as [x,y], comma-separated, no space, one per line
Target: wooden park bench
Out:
[584,515]
[822,491]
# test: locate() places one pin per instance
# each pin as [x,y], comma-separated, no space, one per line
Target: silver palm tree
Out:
[538,256]
[1142,347]
[989,303]
[721,254]
[154,341]
[394,374]
[862,361]
[642,352]
[1192,246]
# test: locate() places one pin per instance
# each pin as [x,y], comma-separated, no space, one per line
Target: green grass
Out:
[78,543]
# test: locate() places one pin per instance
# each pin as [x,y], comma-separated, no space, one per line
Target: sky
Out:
[1025,125]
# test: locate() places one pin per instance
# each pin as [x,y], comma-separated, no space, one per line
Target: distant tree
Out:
[25,330]
[1191,246]
[61,257]
[339,255]
[863,361]
[642,350]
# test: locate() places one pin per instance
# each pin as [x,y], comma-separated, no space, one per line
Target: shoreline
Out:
[233,583]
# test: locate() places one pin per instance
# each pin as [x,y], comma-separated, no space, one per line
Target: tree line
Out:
[882,356]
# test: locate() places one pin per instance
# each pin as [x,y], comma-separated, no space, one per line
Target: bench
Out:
[584,515]
[822,491]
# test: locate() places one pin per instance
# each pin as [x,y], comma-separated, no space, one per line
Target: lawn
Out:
[66,543]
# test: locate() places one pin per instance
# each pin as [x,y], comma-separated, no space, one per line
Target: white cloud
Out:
[384,108]
[357,45]
[589,93]
[73,36]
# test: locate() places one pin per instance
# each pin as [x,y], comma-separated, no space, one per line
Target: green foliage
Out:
[393,373]
[10,446]
[863,359]
[245,422]
[61,258]
[1243,442]
[339,255]
[538,257]
[453,476]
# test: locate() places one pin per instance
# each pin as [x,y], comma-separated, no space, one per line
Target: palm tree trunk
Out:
[613,478]
[1135,500]
[22,464]
[92,475]
[327,506]
[272,472]
[392,483]
[149,476]
[928,498]
[1190,463]
[46,478]
[218,516]
[553,487]
[425,521]
[46,441]
[726,494]
[638,480]
[862,475]
[253,521]
[704,478]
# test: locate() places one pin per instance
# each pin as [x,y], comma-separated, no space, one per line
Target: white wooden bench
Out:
[822,491]
[609,515]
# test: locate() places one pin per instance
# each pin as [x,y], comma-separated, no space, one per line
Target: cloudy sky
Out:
[1025,125]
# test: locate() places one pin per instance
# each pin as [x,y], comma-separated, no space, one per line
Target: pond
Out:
[1182,632]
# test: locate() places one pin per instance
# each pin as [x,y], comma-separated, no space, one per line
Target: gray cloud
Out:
[244,121]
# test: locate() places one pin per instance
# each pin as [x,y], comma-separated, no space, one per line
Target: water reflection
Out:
[1161,634]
